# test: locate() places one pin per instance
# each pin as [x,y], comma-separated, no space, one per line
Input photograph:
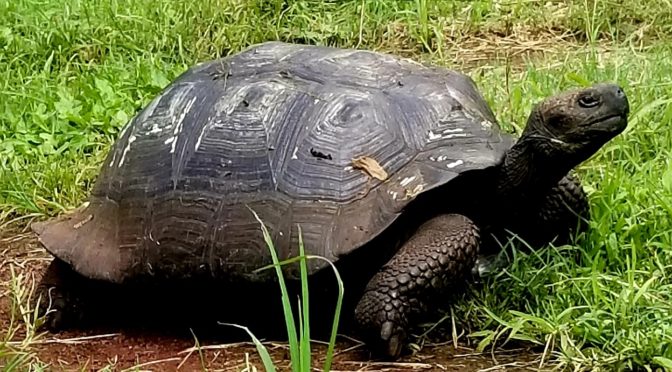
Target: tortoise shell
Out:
[336,141]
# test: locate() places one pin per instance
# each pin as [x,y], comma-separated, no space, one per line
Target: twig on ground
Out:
[66,341]
[217,347]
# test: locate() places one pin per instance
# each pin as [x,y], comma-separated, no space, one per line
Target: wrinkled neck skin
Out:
[529,170]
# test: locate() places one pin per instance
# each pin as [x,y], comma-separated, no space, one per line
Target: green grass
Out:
[299,344]
[73,72]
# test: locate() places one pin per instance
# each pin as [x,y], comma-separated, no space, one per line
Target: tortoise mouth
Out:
[614,123]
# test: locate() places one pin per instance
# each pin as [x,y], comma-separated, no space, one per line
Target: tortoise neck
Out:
[527,171]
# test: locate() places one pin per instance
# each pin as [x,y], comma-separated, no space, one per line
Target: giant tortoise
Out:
[373,156]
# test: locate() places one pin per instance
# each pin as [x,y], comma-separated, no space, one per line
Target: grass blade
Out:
[294,351]
[261,349]
[339,301]
[305,321]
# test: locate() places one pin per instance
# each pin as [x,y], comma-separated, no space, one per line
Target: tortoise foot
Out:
[59,304]
[383,321]
[442,251]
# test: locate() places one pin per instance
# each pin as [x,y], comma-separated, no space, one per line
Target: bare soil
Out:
[24,260]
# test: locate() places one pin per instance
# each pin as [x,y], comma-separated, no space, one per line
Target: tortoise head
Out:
[574,124]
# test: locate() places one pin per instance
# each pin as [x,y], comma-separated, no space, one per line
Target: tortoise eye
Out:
[588,101]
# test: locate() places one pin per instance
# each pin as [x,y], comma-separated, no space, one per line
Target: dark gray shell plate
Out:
[273,129]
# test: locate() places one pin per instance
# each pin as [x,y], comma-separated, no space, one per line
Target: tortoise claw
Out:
[394,340]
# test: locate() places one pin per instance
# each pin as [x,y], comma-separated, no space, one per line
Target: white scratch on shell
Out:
[198,141]
[456,135]
[177,125]
[455,164]
[452,130]
[125,128]
[294,153]
[452,94]
[439,158]
[155,128]
[131,139]
[407,180]
[200,136]
[168,140]
[144,117]
[447,134]
[114,157]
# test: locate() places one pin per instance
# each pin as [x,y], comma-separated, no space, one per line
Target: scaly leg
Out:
[563,212]
[442,251]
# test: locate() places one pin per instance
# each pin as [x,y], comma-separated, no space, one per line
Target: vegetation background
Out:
[73,72]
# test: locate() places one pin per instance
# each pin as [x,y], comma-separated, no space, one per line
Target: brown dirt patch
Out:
[491,46]
[121,350]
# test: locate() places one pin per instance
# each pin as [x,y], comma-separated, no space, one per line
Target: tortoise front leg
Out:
[563,212]
[441,251]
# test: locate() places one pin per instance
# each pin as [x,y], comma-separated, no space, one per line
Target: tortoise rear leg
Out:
[59,295]
[442,251]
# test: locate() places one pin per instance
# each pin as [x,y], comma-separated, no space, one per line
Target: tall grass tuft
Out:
[299,340]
